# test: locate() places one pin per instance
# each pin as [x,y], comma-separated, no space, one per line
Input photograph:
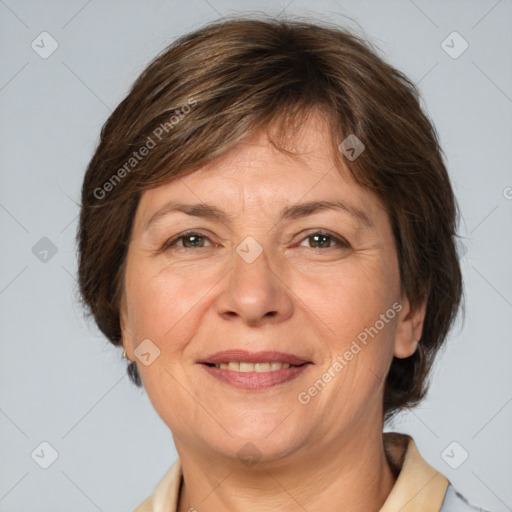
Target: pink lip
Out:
[255,380]
[226,356]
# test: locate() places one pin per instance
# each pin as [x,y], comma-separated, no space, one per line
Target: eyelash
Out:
[341,242]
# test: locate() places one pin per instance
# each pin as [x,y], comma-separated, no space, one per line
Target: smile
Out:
[240,366]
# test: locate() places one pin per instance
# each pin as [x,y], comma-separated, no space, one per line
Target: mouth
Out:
[244,366]
[254,370]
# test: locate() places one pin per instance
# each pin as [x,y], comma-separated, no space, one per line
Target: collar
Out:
[418,488]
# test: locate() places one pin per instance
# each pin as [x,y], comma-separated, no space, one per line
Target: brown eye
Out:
[189,240]
[192,240]
[321,240]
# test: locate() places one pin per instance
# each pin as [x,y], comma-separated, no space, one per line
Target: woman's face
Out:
[257,265]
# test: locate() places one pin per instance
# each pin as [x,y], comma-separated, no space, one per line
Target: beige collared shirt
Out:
[418,488]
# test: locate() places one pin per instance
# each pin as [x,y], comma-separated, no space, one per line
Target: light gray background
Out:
[62,383]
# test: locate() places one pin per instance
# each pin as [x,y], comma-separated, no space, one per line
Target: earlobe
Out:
[409,329]
[404,350]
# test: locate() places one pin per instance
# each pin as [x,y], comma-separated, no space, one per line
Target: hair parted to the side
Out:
[214,87]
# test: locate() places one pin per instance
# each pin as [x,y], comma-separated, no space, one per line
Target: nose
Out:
[255,293]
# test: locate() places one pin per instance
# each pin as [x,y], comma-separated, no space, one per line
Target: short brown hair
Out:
[211,89]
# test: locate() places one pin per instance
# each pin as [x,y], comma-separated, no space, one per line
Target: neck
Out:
[350,474]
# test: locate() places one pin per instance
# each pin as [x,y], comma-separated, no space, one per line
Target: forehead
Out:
[257,176]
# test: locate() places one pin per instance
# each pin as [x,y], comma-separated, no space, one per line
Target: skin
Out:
[306,296]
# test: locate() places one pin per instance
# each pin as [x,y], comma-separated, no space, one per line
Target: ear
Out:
[409,328]
[126,336]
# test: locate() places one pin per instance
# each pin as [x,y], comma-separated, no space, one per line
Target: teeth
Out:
[252,367]
[262,367]
[246,367]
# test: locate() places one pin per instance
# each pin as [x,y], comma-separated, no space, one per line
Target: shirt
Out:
[418,488]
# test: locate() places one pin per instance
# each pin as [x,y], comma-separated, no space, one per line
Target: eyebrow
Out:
[296,211]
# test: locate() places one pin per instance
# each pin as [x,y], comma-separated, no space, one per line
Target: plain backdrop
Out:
[64,385]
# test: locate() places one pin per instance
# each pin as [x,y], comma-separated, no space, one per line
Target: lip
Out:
[255,380]
[226,356]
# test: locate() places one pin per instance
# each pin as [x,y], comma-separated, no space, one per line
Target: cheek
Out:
[352,297]
[162,304]
[357,305]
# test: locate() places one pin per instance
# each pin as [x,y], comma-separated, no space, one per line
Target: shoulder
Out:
[456,502]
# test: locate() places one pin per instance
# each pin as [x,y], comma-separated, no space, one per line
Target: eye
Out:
[189,240]
[324,240]
[317,240]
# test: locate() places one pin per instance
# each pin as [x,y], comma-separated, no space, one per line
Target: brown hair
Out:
[212,88]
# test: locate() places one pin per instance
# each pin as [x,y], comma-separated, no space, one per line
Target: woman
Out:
[268,230]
